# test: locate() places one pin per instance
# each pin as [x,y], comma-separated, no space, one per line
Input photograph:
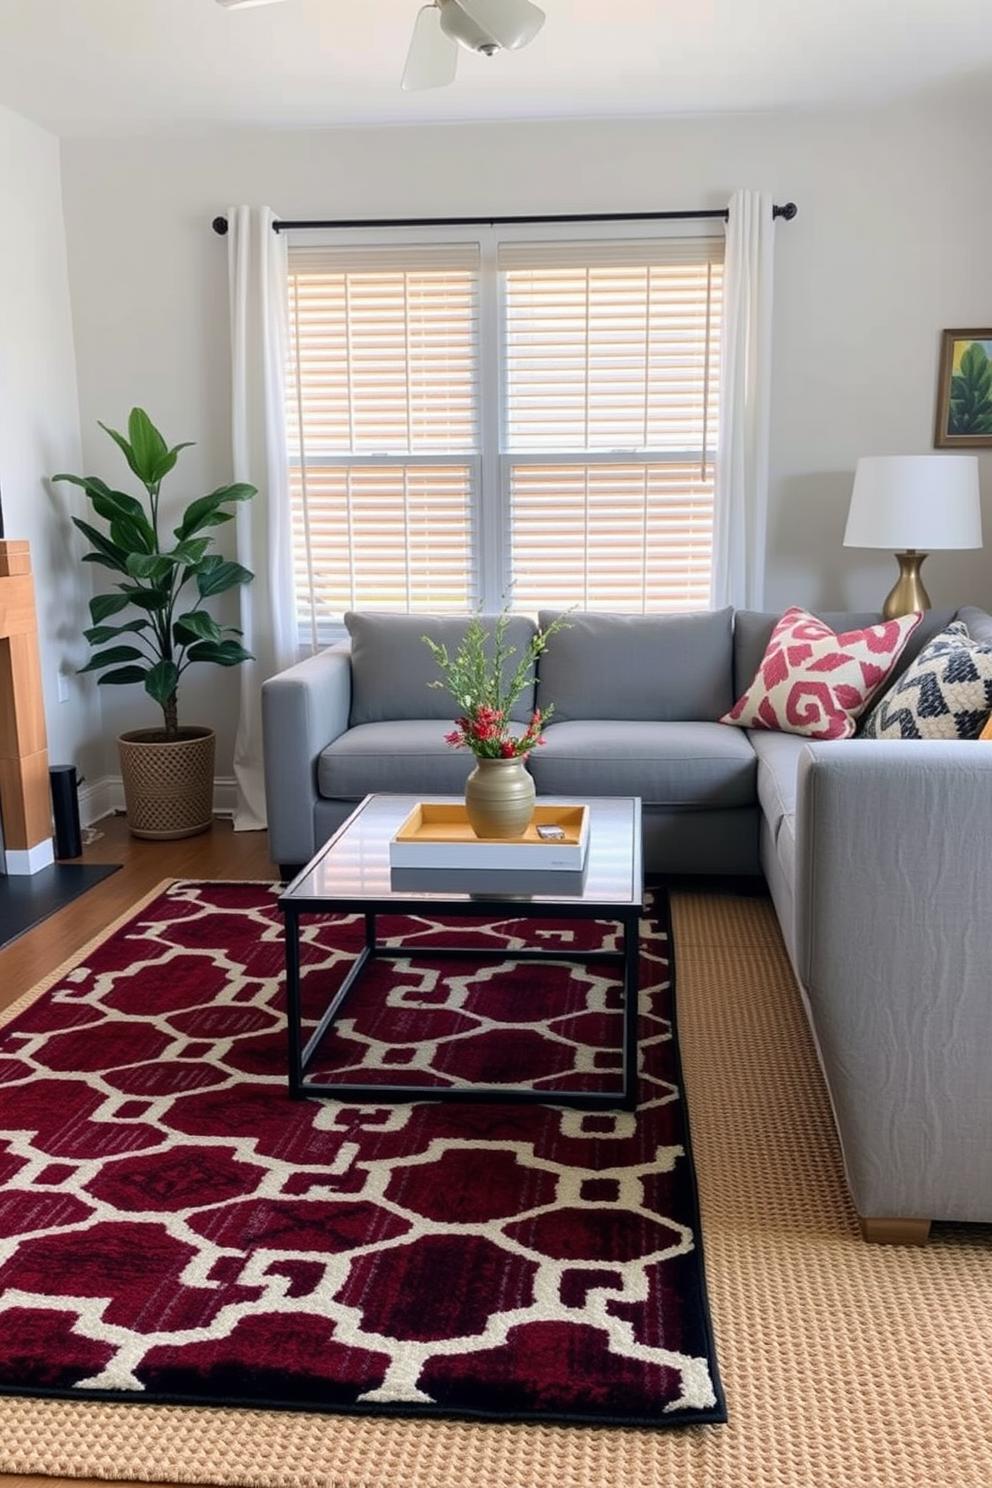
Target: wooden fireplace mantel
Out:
[25,800]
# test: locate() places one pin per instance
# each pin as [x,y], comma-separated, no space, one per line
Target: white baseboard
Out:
[106,798]
[20,862]
[96,801]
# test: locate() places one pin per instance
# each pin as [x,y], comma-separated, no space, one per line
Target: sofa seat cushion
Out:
[784,870]
[408,756]
[778,767]
[652,668]
[699,766]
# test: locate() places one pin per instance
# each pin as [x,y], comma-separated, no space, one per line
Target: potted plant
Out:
[158,602]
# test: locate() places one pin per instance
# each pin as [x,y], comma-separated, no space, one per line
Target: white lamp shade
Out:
[915,502]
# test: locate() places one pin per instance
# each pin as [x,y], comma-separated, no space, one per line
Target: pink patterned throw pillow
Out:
[815,682]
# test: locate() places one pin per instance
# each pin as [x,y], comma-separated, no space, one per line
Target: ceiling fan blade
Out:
[510,23]
[433,57]
[245,4]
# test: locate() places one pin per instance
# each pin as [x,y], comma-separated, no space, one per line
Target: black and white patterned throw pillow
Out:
[946,693]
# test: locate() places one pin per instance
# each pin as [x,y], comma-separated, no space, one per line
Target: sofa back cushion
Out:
[392,669]
[817,681]
[753,630]
[979,623]
[661,668]
[945,694]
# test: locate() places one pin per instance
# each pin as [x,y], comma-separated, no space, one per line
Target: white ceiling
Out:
[94,67]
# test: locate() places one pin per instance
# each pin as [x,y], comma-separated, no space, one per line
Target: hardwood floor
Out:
[220,853]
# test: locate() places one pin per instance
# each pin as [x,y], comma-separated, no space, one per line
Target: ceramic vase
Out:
[499,797]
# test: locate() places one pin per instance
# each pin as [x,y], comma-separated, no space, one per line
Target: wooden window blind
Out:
[382,421]
[612,393]
[470,419]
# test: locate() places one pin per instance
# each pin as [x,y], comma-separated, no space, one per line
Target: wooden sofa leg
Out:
[895,1231]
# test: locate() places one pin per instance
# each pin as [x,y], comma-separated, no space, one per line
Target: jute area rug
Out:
[843,1364]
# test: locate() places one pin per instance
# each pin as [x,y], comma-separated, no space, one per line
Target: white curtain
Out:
[257,268]
[741,487]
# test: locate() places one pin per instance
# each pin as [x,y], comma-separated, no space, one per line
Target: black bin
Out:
[65,810]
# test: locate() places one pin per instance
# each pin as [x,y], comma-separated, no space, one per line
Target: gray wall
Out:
[39,427]
[890,247]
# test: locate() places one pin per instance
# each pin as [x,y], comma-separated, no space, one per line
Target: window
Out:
[468,418]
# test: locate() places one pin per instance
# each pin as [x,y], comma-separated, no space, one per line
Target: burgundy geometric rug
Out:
[174,1228]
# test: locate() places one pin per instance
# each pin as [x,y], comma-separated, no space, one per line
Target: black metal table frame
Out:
[302,1055]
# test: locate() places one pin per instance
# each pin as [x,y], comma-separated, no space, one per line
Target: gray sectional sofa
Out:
[876,853]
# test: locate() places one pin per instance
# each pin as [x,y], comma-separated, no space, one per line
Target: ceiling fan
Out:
[486,26]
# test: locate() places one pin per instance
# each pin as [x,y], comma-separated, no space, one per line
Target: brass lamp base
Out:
[907,593]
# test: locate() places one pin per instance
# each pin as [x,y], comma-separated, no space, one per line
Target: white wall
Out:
[890,246]
[39,426]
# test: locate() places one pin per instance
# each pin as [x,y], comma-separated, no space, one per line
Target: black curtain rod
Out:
[787,212]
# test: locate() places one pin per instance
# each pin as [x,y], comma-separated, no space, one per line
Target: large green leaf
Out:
[102,561]
[112,505]
[122,677]
[109,504]
[102,606]
[125,449]
[105,551]
[99,635]
[170,457]
[226,653]
[161,681]
[150,448]
[153,567]
[214,578]
[91,484]
[113,656]
[148,599]
[145,451]
[196,625]
[192,552]
[136,537]
[207,512]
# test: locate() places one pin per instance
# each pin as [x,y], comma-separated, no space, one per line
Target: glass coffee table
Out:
[351,874]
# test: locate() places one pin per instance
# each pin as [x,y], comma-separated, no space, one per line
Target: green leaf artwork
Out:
[970,406]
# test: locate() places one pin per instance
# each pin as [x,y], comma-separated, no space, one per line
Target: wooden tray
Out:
[437,834]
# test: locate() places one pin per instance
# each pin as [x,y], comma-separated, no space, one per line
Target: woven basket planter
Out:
[168,783]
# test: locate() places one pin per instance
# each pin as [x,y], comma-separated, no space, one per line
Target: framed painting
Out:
[964,391]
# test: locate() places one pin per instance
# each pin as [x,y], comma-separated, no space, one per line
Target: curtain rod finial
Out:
[219,226]
[788,211]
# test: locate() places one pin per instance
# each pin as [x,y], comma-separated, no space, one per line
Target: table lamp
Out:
[913,504]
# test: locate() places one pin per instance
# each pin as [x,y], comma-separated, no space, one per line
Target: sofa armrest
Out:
[894,950]
[304,708]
